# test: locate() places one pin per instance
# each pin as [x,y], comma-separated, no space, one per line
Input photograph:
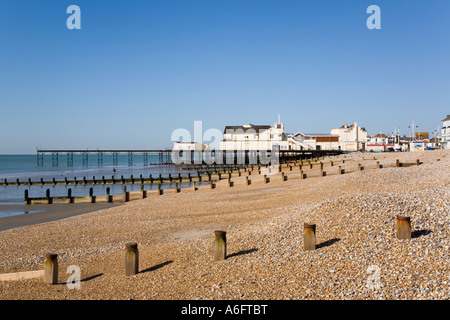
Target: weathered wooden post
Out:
[143,192]
[341,171]
[212,184]
[417,162]
[266,179]
[309,236]
[195,187]
[42,181]
[397,163]
[29,181]
[84,180]
[220,245]
[189,177]
[47,195]
[51,268]
[65,181]
[283,177]
[160,191]
[126,194]
[54,181]
[27,199]
[378,165]
[69,195]
[248,181]
[131,259]
[93,180]
[403,227]
[302,175]
[230,183]
[75,180]
[177,189]
[91,194]
[108,195]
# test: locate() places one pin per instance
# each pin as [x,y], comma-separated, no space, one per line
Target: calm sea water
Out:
[22,167]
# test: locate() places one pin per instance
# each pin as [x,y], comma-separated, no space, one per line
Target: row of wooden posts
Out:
[208,171]
[126,194]
[403,231]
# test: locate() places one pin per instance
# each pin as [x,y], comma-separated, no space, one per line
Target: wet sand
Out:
[41,213]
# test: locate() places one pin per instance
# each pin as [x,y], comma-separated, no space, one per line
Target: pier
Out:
[56,154]
[167,156]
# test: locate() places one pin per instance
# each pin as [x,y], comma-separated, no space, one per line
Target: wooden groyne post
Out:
[220,245]
[309,236]
[51,268]
[403,227]
[131,259]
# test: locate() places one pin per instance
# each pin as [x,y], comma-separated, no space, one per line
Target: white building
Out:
[254,137]
[351,138]
[263,137]
[189,146]
[313,141]
[382,143]
[445,133]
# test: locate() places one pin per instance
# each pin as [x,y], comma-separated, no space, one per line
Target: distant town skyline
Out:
[136,71]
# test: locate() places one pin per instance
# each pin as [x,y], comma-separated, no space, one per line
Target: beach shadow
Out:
[327,243]
[419,233]
[240,253]
[157,266]
[83,280]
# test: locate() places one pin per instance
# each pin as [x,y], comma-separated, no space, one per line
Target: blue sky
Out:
[138,70]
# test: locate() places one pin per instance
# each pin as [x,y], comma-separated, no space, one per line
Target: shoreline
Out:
[42,213]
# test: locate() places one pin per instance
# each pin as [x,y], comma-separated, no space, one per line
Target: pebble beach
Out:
[357,255]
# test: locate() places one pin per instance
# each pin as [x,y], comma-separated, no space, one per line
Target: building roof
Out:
[448,118]
[321,135]
[244,128]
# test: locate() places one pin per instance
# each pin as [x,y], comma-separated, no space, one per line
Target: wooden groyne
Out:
[209,179]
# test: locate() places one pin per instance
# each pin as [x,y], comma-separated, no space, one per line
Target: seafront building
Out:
[254,137]
[351,138]
[264,137]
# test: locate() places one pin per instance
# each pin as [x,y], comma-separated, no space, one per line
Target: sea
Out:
[24,167]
